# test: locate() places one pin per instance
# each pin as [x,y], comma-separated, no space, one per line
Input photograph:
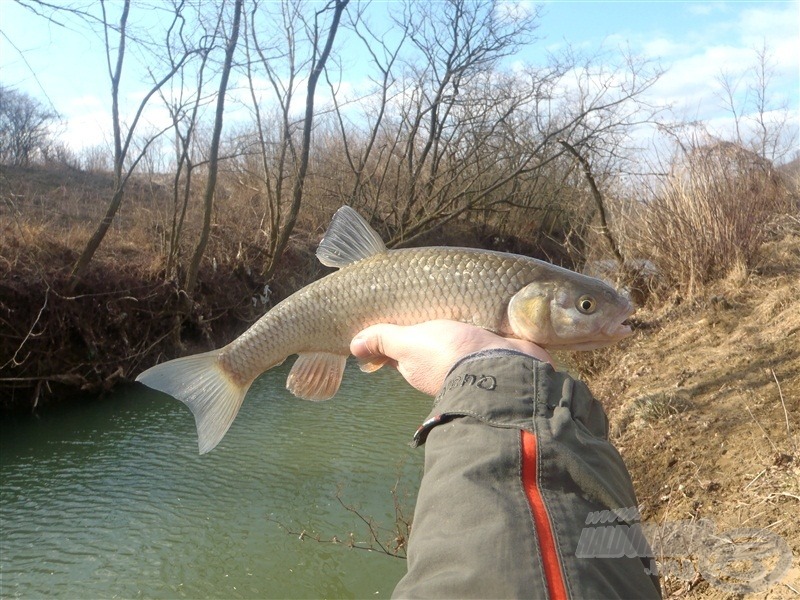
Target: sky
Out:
[695,42]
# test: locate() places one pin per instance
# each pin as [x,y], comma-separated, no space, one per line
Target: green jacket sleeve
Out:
[519,479]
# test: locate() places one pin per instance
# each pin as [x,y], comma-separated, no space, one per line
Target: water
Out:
[110,499]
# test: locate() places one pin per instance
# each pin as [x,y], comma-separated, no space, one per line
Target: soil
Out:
[704,404]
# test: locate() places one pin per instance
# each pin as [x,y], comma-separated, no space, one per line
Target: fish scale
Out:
[402,287]
[512,295]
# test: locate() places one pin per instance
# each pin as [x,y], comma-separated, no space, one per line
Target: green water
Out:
[111,500]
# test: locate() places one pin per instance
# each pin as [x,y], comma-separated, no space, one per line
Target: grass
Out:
[704,406]
[709,217]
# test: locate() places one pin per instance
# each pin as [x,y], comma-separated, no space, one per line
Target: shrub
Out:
[710,216]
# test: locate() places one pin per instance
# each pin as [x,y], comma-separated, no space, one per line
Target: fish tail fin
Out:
[201,384]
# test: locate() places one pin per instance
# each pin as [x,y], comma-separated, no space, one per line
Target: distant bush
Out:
[710,215]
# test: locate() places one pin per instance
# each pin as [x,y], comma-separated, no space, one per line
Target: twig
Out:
[598,198]
[369,523]
[751,517]
[787,494]
[785,413]
[775,524]
[755,478]
[37,390]
[791,588]
[30,333]
[303,535]
[771,443]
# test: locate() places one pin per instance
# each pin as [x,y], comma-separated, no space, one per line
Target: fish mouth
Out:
[622,330]
[616,330]
[621,326]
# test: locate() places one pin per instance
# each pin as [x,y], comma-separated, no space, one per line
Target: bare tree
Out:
[184,102]
[282,161]
[213,161]
[281,62]
[449,131]
[317,67]
[358,147]
[459,42]
[124,162]
[760,123]
[25,127]
[598,198]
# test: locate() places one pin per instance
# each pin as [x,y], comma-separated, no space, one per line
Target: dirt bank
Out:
[705,409]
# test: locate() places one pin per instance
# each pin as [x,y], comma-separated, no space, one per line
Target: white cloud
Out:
[88,121]
[697,57]
[662,47]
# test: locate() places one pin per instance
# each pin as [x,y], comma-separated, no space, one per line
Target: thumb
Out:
[371,342]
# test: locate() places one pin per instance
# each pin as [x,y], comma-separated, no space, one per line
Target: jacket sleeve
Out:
[523,495]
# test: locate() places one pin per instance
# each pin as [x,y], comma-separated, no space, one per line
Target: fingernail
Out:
[358,347]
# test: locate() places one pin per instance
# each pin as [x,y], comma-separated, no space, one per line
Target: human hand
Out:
[425,353]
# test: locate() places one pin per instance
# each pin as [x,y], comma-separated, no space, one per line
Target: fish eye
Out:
[586,304]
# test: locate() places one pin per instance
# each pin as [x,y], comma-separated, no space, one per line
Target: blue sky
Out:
[695,41]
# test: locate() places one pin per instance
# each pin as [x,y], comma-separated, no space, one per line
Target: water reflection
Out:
[110,499]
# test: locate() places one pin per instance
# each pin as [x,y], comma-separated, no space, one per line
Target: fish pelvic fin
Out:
[200,382]
[316,375]
[370,365]
[349,238]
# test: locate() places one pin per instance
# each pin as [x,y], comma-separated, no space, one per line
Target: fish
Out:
[508,294]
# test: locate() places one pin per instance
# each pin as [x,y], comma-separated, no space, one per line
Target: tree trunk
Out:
[598,198]
[297,190]
[119,155]
[213,162]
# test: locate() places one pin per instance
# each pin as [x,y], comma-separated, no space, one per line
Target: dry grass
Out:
[709,218]
[122,317]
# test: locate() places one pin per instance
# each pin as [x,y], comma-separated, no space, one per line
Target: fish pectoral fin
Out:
[349,238]
[370,365]
[316,375]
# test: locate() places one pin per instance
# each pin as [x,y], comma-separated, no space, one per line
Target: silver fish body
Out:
[512,295]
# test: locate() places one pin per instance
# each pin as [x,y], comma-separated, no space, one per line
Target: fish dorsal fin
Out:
[349,238]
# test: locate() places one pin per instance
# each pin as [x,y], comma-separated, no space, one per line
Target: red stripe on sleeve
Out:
[551,566]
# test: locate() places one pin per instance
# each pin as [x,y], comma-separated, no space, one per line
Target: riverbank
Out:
[126,314]
[704,402]
[122,315]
